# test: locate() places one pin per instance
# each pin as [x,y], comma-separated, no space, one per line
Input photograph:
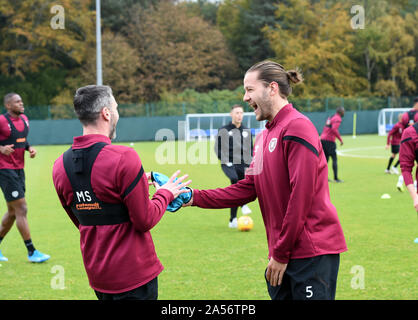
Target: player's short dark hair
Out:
[89,102]
[416,100]
[340,109]
[8,97]
[237,106]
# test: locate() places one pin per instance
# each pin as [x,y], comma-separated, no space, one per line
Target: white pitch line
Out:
[344,153]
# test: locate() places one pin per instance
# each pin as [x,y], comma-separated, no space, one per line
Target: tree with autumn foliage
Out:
[36,59]
[28,43]
[242,22]
[318,40]
[154,49]
[386,48]
[179,51]
[398,58]
[120,63]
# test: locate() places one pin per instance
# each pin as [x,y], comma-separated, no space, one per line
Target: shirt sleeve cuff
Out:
[196,197]
[166,194]
[407,177]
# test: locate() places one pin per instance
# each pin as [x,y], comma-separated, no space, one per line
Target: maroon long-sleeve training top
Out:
[408,153]
[330,131]
[289,176]
[119,257]
[395,134]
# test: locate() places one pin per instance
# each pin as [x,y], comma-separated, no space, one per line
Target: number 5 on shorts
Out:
[309,292]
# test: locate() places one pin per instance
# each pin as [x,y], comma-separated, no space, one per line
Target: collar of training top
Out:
[279,116]
[89,139]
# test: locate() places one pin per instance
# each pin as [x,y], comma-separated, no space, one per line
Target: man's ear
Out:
[106,113]
[274,88]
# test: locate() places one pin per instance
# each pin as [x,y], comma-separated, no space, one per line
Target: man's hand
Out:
[413,194]
[174,187]
[416,204]
[7,150]
[275,272]
[32,152]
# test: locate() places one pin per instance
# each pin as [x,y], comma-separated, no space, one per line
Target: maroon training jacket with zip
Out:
[289,176]
[408,154]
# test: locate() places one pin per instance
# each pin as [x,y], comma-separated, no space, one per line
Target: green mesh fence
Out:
[163,108]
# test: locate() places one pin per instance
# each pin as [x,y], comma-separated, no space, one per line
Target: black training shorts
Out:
[330,148]
[12,183]
[308,279]
[148,291]
[395,148]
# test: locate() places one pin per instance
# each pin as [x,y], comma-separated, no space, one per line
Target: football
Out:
[245,223]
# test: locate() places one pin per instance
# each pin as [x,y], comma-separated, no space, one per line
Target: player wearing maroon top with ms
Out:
[328,136]
[289,176]
[14,129]
[104,190]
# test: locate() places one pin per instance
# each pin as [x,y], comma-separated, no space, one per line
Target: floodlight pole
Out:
[99,78]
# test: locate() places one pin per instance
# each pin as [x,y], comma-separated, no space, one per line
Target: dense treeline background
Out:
[173,53]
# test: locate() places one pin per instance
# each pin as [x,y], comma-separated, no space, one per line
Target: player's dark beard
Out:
[17,111]
[112,133]
[267,107]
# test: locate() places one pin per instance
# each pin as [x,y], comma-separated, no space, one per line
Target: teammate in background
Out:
[394,140]
[288,175]
[329,134]
[408,119]
[14,129]
[407,156]
[234,147]
[104,190]
[411,116]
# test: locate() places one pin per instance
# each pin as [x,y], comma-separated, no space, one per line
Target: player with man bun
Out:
[289,176]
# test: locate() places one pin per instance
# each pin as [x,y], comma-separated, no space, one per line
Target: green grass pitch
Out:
[203,258]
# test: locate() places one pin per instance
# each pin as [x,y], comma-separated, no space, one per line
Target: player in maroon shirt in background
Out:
[408,155]
[408,119]
[394,140]
[104,190]
[411,116]
[329,134]
[289,176]
[14,129]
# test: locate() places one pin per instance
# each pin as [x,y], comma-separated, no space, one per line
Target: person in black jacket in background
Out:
[234,147]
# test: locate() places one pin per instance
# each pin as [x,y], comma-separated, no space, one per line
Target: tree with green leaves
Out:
[241,22]
[28,42]
[115,14]
[205,8]
[178,51]
[120,64]
[398,61]
[318,39]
